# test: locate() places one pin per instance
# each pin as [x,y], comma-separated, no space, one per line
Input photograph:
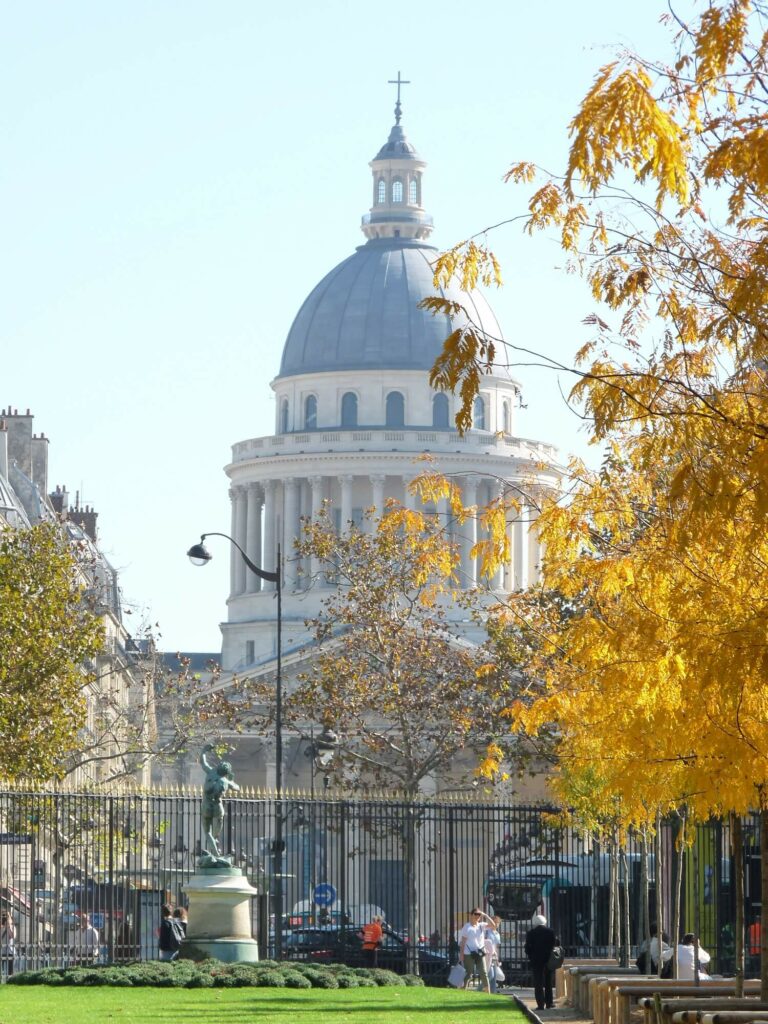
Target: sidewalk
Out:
[527,1003]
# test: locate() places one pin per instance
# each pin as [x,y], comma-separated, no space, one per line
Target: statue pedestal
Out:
[219,922]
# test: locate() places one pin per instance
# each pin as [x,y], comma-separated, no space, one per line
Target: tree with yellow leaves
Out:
[663,208]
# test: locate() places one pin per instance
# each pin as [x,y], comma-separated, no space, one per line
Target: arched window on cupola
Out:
[506,417]
[395,416]
[413,192]
[310,412]
[284,416]
[478,414]
[349,409]
[397,191]
[440,412]
[381,192]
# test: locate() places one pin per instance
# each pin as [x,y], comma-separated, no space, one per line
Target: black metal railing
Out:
[116,859]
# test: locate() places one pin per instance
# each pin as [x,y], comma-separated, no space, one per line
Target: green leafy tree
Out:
[47,635]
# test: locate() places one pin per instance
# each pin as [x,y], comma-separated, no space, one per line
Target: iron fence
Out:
[334,863]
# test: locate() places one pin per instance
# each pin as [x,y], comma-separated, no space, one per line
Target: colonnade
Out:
[269,511]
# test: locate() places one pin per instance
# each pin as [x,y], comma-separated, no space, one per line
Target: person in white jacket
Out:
[686,953]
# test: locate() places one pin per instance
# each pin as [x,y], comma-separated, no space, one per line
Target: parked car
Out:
[332,944]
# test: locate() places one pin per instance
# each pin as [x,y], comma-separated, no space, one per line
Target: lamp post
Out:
[198,554]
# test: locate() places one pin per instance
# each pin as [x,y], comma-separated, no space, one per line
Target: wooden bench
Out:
[622,995]
[580,978]
[688,1010]
[563,990]
[733,1016]
[598,988]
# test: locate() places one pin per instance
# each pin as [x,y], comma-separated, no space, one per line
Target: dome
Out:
[364,314]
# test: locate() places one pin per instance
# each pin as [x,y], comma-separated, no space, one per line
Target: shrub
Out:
[364,982]
[347,981]
[382,977]
[413,979]
[293,979]
[271,979]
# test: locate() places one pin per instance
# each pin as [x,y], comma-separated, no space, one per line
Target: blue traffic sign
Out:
[324,894]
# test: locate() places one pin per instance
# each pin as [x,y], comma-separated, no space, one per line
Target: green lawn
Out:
[40,1004]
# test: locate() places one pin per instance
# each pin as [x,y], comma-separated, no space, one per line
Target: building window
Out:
[395,409]
[413,192]
[440,412]
[349,409]
[506,418]
[284,416]
[478,414]
[250,652]
[310,412]
[381,192]
[397,191]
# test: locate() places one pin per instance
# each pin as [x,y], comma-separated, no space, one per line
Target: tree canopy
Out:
[47,635]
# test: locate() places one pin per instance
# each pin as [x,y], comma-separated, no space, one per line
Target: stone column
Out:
[469,536]
[345,482]
[316,482]
[253,547]
[234,557]
[521,548]
[270,533]
[291,531]
[241,508]
[377,489]
[496,490]
[409,500]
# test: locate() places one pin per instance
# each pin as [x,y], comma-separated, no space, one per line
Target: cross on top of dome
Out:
[398,82]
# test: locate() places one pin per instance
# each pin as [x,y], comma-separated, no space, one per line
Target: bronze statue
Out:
[218,779]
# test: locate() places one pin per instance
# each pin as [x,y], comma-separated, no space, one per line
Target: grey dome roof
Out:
[364,314]
[397,147]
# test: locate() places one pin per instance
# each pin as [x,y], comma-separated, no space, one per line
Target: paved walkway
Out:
[526,998]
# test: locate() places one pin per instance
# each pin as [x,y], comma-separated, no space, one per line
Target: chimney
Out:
[86,519]
[3,450]
[19,438]
[39,460]
[60,500]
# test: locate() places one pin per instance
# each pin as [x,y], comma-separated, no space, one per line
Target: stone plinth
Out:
[219,922]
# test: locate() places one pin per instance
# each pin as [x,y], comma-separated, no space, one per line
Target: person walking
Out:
[492,957]
[7,942]
[171,934]
[472,948]
[180,915]
[372,935]
[539,943]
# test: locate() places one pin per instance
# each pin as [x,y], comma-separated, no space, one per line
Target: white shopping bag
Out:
[456,976]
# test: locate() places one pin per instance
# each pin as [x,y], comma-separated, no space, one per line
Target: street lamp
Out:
[322,749]
[198,554]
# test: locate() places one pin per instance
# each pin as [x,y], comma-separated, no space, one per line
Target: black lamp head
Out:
[199,554]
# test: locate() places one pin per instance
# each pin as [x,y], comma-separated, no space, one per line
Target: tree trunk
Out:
[659,875]
[679,847]
[412,949]
[611,891]
[645,893]
[737,869]
[593,951]
[764,901]
[627,938]
[696,908]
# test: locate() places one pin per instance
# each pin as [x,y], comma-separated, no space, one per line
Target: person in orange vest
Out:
[371,934]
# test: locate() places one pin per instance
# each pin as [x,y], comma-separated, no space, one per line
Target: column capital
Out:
[268,486]
[316,481]
[255,489]
[345,478]
[377,478]
[289,481]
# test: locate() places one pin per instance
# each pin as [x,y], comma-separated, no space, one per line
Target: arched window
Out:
[397,191]
[395,409]
[440,411]
[381,194]
[506,418]
[310,412]
[349,409]
[478,414]
[413,193]
[284,416]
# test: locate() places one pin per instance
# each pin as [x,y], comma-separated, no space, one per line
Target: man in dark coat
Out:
[539,943]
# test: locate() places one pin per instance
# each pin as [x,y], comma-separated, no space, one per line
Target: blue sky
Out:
[176,177]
